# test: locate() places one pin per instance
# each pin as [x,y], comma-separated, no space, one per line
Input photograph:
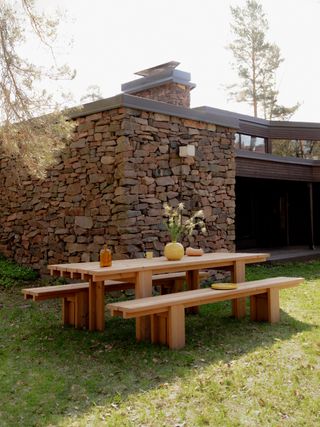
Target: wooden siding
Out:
[253,165]
[255,129]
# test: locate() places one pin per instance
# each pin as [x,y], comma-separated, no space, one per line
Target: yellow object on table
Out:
[224,286]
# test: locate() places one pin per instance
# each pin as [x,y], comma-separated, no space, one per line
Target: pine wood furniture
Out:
[140,271]
[75,296]
[167,312]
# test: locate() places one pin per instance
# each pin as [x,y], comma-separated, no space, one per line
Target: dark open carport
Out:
[277,202]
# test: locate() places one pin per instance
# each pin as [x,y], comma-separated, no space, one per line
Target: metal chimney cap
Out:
[158,69]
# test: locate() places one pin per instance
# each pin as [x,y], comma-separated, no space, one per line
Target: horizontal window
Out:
[250,143]
[304,149]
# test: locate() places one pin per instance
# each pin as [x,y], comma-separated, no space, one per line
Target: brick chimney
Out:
[162,83]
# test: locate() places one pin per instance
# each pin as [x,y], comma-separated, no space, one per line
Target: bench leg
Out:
[81,310]
[75,310]
[176,327]
[96,306]
[265,307]
[159,328]
[239,308]
[68,309]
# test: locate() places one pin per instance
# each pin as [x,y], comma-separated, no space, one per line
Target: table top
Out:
[157,265]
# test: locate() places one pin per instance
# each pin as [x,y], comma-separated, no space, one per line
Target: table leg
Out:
[193,282]
[96,306]
[143,289]
[92,305]
[100,307]
[239,304]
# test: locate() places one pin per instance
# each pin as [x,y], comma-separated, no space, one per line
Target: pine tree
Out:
[32,127]
[256,62]
[93,94]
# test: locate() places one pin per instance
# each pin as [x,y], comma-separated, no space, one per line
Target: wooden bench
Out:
[167,312]
[75,296]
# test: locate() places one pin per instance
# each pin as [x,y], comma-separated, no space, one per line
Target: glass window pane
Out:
[305,149]
[237,140]
[253,143]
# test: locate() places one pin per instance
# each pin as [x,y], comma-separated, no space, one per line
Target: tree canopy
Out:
[256,62]
[32,126]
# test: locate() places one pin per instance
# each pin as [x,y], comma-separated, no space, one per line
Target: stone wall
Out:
[171,93]
[109,185]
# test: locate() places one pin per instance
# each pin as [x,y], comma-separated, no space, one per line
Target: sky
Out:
[112,39]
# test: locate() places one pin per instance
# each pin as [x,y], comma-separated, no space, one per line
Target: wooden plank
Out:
[158,264]
[265,307]
[81,309]
[92,305]
[143,289]
[154,319]
[237,276]
[68,314]
[176,327]
[259,307]
[163,328]
[60,291]
[51,289]
[159,328]
[100,306]
[193,282]
[206,295]
[273,306]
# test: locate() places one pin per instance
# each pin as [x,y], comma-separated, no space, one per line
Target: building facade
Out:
[126,159]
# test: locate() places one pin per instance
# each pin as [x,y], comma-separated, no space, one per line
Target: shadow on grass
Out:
[50,372]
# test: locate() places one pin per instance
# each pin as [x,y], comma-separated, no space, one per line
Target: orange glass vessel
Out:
[105,257]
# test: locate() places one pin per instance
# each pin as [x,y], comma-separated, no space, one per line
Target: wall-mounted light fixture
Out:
[187,151]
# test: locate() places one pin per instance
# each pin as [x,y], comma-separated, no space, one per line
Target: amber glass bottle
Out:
[105,257]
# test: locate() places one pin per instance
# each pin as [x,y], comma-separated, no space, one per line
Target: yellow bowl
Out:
[224,286]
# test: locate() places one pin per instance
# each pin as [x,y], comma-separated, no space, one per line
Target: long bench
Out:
[167,312]
[75,296]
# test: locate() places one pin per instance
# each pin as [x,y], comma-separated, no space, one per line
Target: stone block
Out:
[165,181]
[107,160]
[84,222]
[161,117]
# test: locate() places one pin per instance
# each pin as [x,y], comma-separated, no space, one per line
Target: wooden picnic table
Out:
[140,270]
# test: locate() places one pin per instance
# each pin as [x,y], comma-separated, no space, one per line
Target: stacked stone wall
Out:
[109,185]
[171,93]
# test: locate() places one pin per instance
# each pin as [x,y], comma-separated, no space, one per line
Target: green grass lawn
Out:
[231,373]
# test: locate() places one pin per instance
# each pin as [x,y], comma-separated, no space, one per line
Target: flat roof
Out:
[240,122]
[145,104]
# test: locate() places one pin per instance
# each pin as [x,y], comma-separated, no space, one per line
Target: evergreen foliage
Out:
[32,127]
[256,62]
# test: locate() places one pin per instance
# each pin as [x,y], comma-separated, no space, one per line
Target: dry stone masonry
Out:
[110,183]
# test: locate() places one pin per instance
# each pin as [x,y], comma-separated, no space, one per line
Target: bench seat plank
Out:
[167,311]
[48,292]
[202,296]
[75,296]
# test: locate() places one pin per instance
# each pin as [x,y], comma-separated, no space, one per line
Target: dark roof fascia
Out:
[269,128]
[138,103]
[226,113]
[95,107]
[247,124]
[294,130]
[240,122]
[277,159]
